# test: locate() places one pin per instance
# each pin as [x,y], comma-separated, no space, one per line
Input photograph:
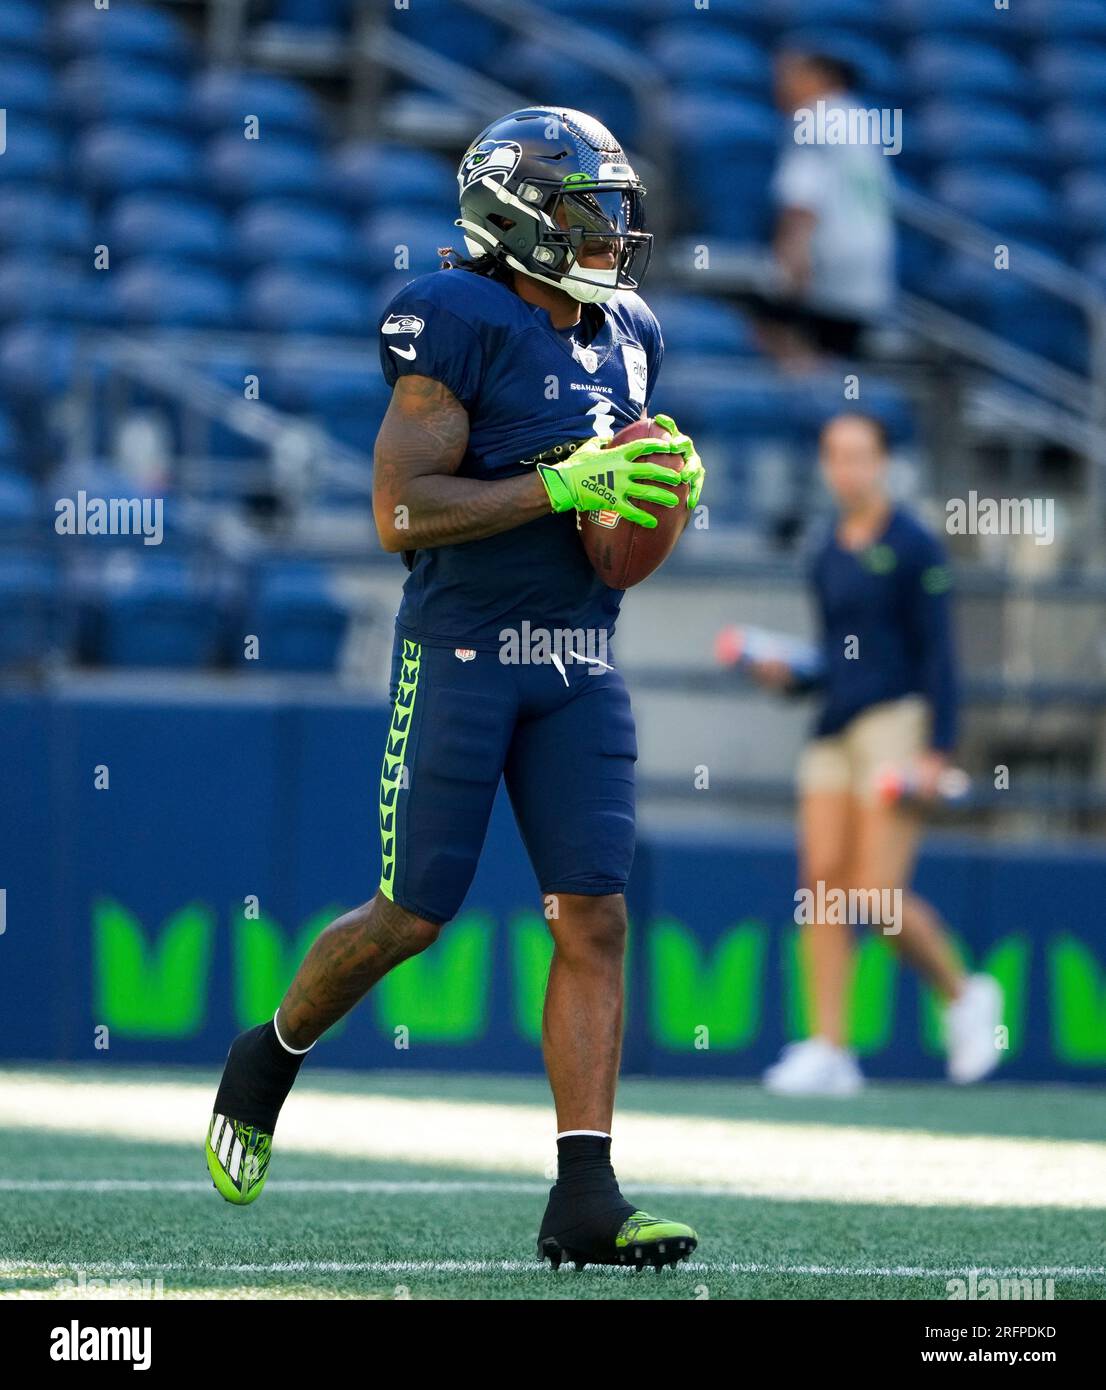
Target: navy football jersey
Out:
[526,386]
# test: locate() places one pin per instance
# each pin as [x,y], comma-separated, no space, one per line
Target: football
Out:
[622,553]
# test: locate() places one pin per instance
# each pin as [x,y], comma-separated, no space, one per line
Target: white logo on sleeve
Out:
[637,372]
[408,353]
[403,323]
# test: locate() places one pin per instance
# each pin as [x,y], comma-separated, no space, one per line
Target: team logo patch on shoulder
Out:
[497,159]
[464,653]
[403,323]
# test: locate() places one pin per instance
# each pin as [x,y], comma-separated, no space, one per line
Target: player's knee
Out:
[831,872]
[402,933]
[590,928]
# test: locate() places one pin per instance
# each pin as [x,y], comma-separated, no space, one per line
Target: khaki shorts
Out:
[850,761]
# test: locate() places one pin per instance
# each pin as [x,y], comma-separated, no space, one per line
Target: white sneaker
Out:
[970,1027]
[814,1068]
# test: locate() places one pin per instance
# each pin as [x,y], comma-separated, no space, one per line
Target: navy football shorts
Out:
[564,742]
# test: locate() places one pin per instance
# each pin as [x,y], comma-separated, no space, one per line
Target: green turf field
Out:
[432,1187]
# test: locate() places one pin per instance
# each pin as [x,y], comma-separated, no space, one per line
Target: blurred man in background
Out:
[888,679]
[834,242]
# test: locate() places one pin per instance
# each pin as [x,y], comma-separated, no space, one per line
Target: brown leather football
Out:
[621,552]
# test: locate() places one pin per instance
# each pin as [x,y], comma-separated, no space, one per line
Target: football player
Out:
[509,368]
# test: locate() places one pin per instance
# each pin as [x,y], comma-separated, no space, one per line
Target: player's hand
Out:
[693,473]
[595,479]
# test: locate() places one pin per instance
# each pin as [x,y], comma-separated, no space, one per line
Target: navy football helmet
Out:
[538,185]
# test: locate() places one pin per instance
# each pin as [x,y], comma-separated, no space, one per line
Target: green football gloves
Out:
[596,479]
[693,473]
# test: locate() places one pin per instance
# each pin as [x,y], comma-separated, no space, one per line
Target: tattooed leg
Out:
[344,963]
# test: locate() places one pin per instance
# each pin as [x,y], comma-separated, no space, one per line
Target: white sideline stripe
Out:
[758,1158]
[117,1268]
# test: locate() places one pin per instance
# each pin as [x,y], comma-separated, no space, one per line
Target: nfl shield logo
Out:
[604,518]
[464,653]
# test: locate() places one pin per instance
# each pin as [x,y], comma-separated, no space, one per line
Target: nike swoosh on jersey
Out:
[409,352]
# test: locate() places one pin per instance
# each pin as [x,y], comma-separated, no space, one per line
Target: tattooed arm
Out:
[417,499]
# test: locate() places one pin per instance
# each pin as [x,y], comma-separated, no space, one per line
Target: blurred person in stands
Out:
[887,674]
[833,245]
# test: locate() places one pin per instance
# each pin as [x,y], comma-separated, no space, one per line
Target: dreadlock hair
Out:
[491,266]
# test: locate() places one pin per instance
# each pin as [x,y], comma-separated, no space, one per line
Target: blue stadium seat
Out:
[534,67]
[19,508]
[384,236]
[731,145]
[292,233]
[1013,206]
[349,402]
[157,614]
[220,102]
[156,294]
[957,67]
[10,444]
[694,56]
[983,135]
[276,167]
[1073,21]
[39,218]
[169,227]
[298,618]
[38,287]
[36,361]
[955,19]
[818,399]
[1077,136]
[23,28]
[136,31]
[693,324]
[28,85]
[866,18]
[363,175]
[111,160]
[117,91]
[623,17]
[1073,73]
[302,301]
[27,607]
[1084,202]
[454,31]
[35,152]
[1094,264]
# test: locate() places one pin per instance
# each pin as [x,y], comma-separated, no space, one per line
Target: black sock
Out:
[257,1078]
[585,1200]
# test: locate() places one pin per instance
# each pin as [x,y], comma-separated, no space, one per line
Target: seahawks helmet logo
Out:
[497,159]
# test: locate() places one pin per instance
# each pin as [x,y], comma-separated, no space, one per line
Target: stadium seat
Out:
[23,28]
[170,227]
[348,401]
[534,67]
[153,293]
[284,232]
[877,73]
[954,20]
[156,613]
[313,14]
[732,145]
[27,85]
[695,325]
[1083,199]
[690,57]
[111,160]
[986,135]
[1077,136]
[867,18]
[220,101]
[363,175]
[818,399]
[413,236]
[27,607]
[300,622]
[1068,73]
[275,167]
[41,219]
[457,33]
[304,301]
[35,152]
[117,91]
[38,287]
[957,67]
[19,510]
[1013,206]
[132,31]
[1072,22]
[36,361]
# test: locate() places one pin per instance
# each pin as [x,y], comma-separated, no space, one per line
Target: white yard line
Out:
[784,1162]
